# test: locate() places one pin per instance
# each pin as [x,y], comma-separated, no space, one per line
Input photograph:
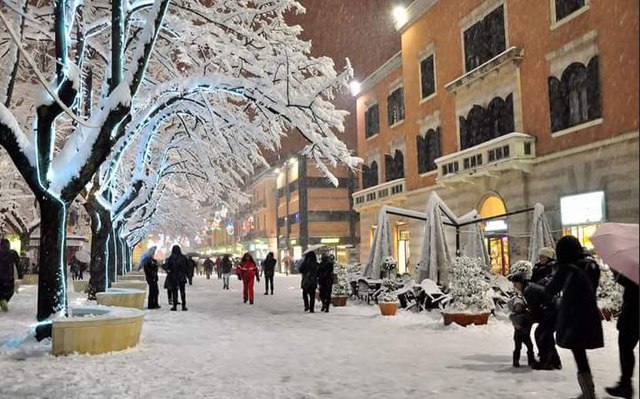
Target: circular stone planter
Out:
[388,308]
[465,319]
[30,279]
[339,301]
[80,285]
[124,297]
[131,277]
[96,329]
[137,284]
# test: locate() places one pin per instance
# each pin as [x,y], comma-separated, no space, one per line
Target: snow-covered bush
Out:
[609,292]
[469,289]
[522,266]
[341,285]
[387,297]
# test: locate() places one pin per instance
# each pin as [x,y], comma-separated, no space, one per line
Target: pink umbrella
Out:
[617,245]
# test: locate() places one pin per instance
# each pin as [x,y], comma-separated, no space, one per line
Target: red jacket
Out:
[248,269]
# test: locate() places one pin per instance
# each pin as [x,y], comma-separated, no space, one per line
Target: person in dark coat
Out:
[177,269]
[309,270]
[522,322]
[542,308]
[226,269]
[578,326]
[325,281]
[9,266]
[268,270]
[628,323]
[545,267]
[150,267]
[208,267]
[191,267]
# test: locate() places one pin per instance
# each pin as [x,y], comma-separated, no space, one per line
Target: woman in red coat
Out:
[248,270]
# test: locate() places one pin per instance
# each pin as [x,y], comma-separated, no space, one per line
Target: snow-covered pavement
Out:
[223,348]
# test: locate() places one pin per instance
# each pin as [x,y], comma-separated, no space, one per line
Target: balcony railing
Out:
[511,151]
[380,192]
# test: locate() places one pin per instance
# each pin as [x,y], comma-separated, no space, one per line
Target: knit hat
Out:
[548,252]
[569,249]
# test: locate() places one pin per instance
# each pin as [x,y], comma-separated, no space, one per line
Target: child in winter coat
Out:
[522,322]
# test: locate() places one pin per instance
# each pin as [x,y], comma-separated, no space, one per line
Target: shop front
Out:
[495,233]
[582,214]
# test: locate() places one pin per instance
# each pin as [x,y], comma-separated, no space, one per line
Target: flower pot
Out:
[339,301]
[465,319]
[388,308]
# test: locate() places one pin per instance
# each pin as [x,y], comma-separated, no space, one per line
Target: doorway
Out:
[495,232]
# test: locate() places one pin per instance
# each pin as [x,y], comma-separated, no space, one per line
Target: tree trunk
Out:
[52,294]
[25,241]
[100,229]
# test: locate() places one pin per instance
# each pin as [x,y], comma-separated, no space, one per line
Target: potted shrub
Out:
[470,293]
[388,304]
[609,294]
[341,286]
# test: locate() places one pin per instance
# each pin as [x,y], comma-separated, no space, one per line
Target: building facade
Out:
[497,105]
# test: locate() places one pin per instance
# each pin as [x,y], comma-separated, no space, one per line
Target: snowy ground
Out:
[222,348]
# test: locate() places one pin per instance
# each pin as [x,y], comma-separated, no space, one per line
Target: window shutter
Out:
[558,107]
[593,89]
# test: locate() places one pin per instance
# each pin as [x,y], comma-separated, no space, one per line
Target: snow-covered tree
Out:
[609,291]
[106,68]
[18,209]
[469,288]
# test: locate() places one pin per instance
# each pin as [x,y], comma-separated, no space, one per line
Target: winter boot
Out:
[174,308]
[621,390]
[4,305]
[184,308]
[531,358]
[586,386]
[516,358]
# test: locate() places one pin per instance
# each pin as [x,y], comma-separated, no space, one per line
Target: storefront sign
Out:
[582,209]
[329,240]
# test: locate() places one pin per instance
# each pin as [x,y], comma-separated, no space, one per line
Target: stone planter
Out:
[465,319]
[80,285]
[30,279]
[96,329]
[123,297]
[339,301]
[137,284]
[388,308]
[131,277]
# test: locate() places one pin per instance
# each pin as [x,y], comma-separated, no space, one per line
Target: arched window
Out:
[398,164]
[394,166]
[370,175]
[428,150]
[482,124]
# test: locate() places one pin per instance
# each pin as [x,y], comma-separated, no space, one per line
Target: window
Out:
[428,150]
[328,216]
[427,77]
[575,97]
[484,124]
[370,175]
[485,39]
[372,121]
[395,106]
[394,166]
[567,7]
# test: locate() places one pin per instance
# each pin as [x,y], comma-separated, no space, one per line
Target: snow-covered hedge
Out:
[341,286]
[469,289]
[522,266]
[609,292]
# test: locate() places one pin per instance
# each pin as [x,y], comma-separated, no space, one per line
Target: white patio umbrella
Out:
[381,247]
[475,246]
[435,251]
[540,233]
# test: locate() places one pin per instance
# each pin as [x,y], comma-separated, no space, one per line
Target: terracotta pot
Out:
[388,308]
[464,319]
[339,301]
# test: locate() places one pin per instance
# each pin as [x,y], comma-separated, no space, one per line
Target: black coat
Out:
[269,267]
[227,266]
[578,325]
[630,312]
[309,270]
[150,267]
[542,273]
[191,267]
[176,266]
[9,262]
[541,305]
[325,274]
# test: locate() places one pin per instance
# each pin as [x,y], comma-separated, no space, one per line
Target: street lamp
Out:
[355,87]
[400,15]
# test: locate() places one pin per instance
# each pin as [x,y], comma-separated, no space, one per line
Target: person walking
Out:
[578,326]
[309,283]
[268,271]
[226,268]
[9,268]
[542,308]
[543,270]
[248,270]
[522,321]
[177,276]
[219,266]
[628,322]
[191,267]
[208,267]
[150,267]
[325,281]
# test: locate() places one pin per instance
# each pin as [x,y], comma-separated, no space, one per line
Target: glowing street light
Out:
[400,15]
[355,87]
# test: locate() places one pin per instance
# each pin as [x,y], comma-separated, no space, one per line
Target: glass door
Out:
[498,247]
